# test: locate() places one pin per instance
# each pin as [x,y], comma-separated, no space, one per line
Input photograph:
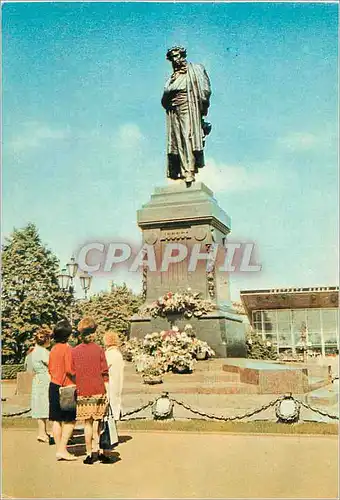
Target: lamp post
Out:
[304,341]
[72,268]
[85,281]
[66,281]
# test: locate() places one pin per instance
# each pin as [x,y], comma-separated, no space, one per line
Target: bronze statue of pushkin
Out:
[186,99]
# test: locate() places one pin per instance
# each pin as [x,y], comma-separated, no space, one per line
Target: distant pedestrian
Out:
[60,369]
[115,363]
[38,362]
[91,371]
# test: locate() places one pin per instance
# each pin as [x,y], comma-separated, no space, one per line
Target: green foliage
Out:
[257,348]
[31,297]
[10,371]
[111,310]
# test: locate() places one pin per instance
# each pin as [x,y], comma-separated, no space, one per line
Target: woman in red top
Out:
[60,370]
[91,371]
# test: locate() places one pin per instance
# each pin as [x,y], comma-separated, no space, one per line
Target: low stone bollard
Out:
[24,383]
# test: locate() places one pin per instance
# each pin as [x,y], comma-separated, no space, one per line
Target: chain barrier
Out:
[16,414]
[229,419]
[316,410]
[137,410]
[247,414]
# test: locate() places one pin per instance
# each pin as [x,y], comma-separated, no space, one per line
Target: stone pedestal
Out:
[192,217]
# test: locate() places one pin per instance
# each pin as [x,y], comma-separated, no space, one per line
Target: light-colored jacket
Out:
[115,362]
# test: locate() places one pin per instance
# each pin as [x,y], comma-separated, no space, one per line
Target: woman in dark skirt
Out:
[60,369]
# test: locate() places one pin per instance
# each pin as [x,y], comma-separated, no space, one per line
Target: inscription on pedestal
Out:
[175,234]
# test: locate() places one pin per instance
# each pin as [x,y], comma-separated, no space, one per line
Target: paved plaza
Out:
[177,465]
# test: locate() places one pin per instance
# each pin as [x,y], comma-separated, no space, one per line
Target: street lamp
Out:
[66,281]
[85,281]
[66,277]
[72,268]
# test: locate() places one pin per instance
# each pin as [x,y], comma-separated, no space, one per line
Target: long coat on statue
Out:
[186,99]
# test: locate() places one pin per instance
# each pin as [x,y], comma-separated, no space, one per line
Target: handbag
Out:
[67,397]
[109,437]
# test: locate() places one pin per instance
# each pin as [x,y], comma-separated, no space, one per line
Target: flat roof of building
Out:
[290,298]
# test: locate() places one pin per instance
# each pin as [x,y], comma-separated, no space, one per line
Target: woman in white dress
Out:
[115,363]
[41,381]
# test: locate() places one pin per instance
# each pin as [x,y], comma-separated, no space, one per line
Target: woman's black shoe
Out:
[88,460]
[104,459]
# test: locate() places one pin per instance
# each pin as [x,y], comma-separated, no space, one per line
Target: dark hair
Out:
[62,331]
[181,50]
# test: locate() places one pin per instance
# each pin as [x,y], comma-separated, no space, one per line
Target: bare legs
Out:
[57,430]
[42,429]
[62,431]
[88,429]
[65,436]
[92,431]
[96,434]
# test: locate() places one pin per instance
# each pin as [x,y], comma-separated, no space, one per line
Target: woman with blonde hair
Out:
[41,382]
[115,363]
[91,372]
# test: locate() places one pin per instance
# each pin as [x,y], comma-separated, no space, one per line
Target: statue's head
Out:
[177,56]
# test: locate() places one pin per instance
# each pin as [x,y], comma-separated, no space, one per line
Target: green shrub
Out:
[257,348]
[10,371]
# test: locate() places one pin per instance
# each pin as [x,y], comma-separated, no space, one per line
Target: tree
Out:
[31,297]
[111,310]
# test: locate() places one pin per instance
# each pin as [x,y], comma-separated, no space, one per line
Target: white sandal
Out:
[67,458]
[43,440]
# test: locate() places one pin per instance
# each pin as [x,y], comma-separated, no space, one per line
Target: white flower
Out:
[268,344]
[250,342]
[175,329]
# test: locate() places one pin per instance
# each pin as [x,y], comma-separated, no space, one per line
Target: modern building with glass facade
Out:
[293,317]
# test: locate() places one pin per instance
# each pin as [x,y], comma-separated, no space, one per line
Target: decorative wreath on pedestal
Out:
[288,410]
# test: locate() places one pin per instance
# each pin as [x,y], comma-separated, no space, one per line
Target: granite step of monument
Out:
[206,365]
[210,364]
[192,387]
[200,377]
[325,396]
[315,383]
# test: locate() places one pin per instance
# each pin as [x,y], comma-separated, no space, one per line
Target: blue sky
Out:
[84,131]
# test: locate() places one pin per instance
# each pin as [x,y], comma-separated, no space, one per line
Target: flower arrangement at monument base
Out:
[150,367]
[203,350]
[187,303]
[182,362]
[131,348]
[170,350]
